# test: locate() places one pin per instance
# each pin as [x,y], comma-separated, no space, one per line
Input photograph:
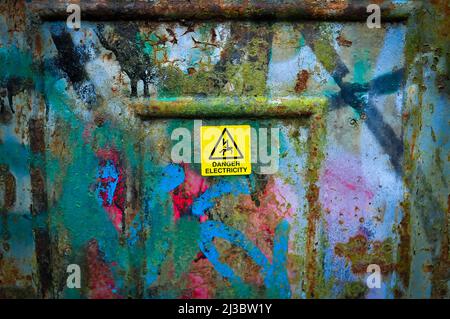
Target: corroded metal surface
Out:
[87,177]
[228,9]
[227,107]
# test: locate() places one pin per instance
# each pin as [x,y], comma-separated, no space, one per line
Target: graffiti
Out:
[70,60]
[111,187]
[274,275]
[360,97]
[184,194]
[349,132]
[134,62]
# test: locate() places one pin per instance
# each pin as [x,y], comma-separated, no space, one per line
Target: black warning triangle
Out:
[222,147]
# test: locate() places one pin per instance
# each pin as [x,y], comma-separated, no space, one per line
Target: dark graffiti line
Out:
[70,60]
[352,94]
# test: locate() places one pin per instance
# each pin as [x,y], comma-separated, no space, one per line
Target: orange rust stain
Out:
[10,275]
[404,248]
[328,7]
[107,56]
[427,268]
[38,44]
[191,71]
[358,251]
[100,278]
[242,264]
[201,279]
[413,146]
[312,197]
[343,41]
[302,79]
[8,183]
[263,218]
[439,277]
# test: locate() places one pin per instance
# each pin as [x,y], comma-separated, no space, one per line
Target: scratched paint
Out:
[86,175]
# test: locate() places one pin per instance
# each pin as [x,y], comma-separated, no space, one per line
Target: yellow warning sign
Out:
[225,150]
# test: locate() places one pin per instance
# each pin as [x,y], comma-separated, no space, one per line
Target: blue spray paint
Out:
[275,275]
[108,177]
[207,199]
[158,219]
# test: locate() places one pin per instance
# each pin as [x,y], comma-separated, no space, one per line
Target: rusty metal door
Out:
[102,130]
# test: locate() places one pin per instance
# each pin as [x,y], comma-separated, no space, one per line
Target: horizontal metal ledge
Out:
[353,10]
[224,107]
